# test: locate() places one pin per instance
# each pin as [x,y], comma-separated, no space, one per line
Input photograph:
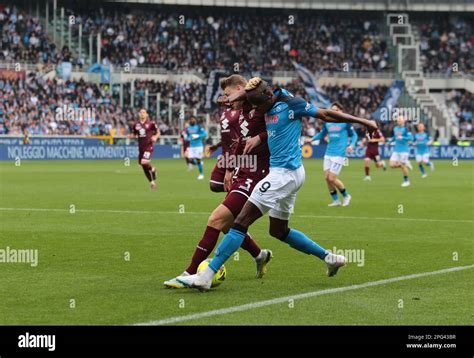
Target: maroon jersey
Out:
[183,139]
[145,131]
[373,146]
[251,124]
[230,131]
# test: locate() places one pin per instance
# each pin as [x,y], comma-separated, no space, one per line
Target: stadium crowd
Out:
[447,47]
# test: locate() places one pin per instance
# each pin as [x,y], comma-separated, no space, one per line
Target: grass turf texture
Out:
[82,256]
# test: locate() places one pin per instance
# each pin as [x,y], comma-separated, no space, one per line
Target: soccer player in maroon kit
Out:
[250,129]
[148,133]
[372,152]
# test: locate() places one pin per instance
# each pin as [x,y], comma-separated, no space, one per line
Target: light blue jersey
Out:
[421,143]
[401,137]
[339,134]
[283,122]
[195,135]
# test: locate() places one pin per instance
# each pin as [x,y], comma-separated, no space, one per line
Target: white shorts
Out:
[333,164]
[195,152]
[276,193]
[399,157]
[425,158]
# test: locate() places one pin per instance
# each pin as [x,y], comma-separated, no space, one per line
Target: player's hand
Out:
[212,149]
[349,149]
[223,101]
[251,144]
[154,138]
[228,180]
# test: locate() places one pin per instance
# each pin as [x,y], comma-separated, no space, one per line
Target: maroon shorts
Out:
[146,153]
[372,153]
[242,187]
[217,175]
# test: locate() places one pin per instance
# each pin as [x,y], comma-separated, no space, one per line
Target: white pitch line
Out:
[208,213]
[278,300]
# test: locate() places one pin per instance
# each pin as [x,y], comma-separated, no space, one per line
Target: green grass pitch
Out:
[105,263]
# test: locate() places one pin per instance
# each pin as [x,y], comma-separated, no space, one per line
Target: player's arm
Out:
[328,115]
[234,97]
[255,141]
[214,147]
[354,138]
[323,133]
[156,134]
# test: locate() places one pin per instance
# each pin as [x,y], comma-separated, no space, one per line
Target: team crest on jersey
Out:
[308,106]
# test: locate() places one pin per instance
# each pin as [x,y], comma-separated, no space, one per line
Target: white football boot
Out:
[347,200]
[367,178]
[335,203]
[174,283]
[199,281]
[334,262]
[262,260]
[406,183]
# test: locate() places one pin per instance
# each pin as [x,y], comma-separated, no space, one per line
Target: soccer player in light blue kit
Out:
[276,193]
[399,158]
[196,134]
[338,146]
[422,149]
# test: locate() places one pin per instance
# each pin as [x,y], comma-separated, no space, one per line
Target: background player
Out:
[185,147]
[148,133]
[276,193]
[196,134]
[401,152]
[422,149]
[239,122]
[372,152]
[338,146]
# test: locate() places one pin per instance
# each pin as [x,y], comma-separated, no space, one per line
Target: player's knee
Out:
[216,221]
[393,164]
[278,232]
[144,162]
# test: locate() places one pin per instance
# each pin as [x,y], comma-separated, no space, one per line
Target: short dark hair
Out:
[338,105]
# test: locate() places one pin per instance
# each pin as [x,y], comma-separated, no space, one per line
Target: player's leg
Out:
[231,242]
[333,177]
[419,162]
[379,163]
[405,169]
[426,160]
[148,169]
[367,168]
[279,216]
[331,187]
[216,183]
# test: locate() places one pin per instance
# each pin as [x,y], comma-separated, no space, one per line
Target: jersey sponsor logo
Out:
[272,119]
[335,128]
[225,123]
[244,128]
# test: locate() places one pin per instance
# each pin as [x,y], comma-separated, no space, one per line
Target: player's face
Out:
[401,122]
[192,121]
[230,90]
[143,115]
[421,127]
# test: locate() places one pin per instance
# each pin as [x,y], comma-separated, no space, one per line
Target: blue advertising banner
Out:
[436,152]
[63,148]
